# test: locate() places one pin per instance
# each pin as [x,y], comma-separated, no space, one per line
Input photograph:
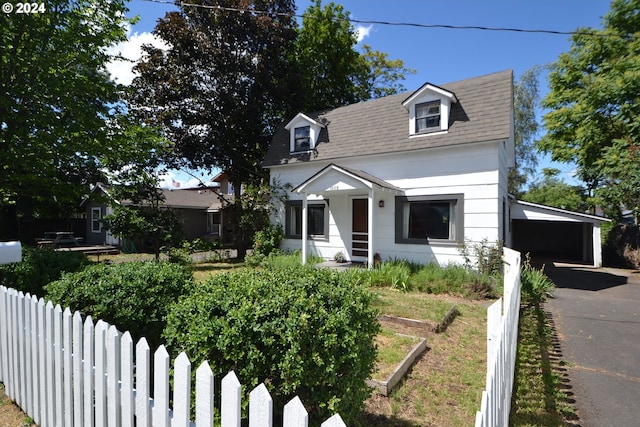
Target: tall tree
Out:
[56,103]
[594,101]
[526,98]
[332,71]
[222,86]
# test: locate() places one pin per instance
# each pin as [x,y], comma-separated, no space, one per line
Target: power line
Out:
[399,24]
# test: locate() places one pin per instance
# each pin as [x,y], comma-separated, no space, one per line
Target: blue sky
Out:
[439,55]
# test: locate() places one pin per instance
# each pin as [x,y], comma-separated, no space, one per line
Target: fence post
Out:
[204,395]
[294,414]
[126,366]
[67,339]
[50,365]
[181,391]
[78,377]
[89,378]
[334,421]
[34,409]
[260,407]
[41,414]
[230,410]
[113,377]
[143,383]
[4,371]
[100,370]
[161,388]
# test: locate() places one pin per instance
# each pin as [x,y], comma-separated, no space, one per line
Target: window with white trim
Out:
[317,220]
[429,219]
[428,116]
[96,220]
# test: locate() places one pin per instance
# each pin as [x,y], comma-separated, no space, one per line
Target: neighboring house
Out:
[409,176]
[199,210]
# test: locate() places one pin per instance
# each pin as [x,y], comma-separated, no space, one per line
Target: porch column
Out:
[371,228]
[304,230]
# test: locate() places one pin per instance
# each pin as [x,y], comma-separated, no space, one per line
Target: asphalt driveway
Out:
[597,316]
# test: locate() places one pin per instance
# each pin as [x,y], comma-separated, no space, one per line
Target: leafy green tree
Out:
[223,85]
[593,100]
[385,74]
[220,90]
[526,98]
[56,103]
[553,191]
[332,71]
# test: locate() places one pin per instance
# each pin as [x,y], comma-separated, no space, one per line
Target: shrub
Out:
[265,242]
[536,286]
[40,266]
[268,239]
[302,331]
[133,296]
[484,257]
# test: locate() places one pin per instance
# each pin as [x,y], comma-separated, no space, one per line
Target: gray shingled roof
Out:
[483,113]
[191,199]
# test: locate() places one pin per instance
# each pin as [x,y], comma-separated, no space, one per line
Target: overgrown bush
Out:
[268,239]
[302,331]
[536,286]
[431,278]
[622,246]
[455,280]
[133,296]
[484,257]
[40,266]
[265,242]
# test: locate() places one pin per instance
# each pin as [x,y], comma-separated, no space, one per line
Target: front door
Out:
[359,228]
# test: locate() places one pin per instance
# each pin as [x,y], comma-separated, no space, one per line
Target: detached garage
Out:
[556,233]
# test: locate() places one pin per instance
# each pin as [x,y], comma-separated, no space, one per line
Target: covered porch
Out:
[357,207]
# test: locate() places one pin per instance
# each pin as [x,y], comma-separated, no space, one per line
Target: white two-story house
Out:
[409,176]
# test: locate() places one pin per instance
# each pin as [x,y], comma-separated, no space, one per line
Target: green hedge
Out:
[40,266]
[133,296]
[301,331]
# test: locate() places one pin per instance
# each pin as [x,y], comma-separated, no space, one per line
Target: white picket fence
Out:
[63,371]
[502,344]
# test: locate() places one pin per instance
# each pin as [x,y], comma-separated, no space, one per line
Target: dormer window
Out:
[302,138]
[429,110]
[303,134]
[428,116]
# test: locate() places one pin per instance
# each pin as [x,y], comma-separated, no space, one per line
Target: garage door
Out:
[559,240]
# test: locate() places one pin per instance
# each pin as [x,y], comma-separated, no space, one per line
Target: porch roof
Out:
[334,178]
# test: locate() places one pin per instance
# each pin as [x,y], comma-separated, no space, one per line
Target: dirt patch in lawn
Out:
[444,386]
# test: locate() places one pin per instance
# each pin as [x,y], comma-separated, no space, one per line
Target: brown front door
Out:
[360,228]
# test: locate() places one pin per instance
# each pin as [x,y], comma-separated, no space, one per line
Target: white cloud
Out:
[121,71]
[363,31]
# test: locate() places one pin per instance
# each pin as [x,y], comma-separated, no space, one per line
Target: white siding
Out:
[471,170]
